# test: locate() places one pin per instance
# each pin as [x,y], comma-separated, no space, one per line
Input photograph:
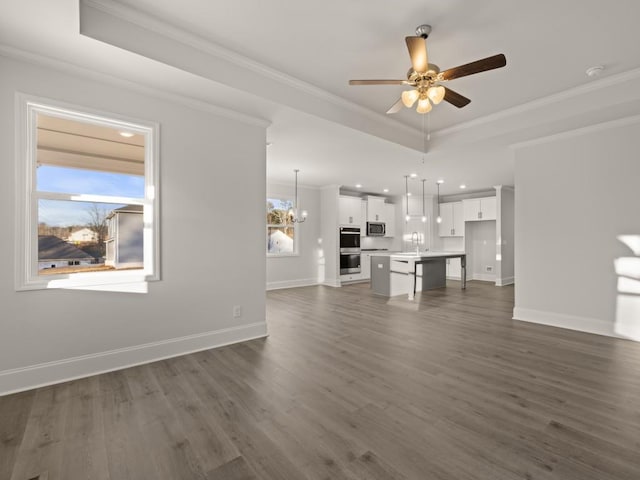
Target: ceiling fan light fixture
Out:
[424,106]
[409,97]
[436,94]
[425,76]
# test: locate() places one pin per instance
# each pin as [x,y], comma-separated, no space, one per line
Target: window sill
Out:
[126,281]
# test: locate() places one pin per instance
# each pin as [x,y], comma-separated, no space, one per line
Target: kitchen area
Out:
[417,241]
[348,227]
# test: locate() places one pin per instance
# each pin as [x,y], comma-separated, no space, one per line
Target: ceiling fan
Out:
[426,77]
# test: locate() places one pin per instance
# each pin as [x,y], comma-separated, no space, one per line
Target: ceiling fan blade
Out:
[378,82]
[455,99]
[418,52]
[478,66]
[396,107]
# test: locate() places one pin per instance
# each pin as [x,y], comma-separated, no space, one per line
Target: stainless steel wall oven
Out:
[349,250]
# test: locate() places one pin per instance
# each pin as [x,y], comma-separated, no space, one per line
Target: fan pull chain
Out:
[424,141]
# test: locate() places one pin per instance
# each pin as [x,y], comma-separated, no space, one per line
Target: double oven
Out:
[349,250]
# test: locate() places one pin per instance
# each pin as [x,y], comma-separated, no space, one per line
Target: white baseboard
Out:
[570,322]
[332,282]
[503,282]
[303,282]
[454,277]
[27,378]
[484,277]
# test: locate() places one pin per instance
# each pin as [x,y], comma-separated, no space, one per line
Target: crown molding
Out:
[74,69]
[291,185]
[543,102]
[578,132]
[158,26]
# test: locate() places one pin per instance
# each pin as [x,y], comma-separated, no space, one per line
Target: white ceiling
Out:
[289,62]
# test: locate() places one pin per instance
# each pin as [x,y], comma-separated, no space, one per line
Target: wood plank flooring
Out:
[349,386]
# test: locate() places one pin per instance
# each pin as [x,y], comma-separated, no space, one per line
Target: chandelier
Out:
[293,212]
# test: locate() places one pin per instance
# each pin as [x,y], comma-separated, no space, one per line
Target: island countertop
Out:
[405,256]
[421,258]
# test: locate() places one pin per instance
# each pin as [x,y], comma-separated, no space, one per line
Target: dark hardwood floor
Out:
[349,386]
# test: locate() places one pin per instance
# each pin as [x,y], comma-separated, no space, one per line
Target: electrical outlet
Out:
[488,268]
[237,311]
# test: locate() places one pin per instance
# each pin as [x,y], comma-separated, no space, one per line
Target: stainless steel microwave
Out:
[375,229]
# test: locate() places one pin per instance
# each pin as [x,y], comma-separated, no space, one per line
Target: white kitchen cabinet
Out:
[458,220]
[489,208]
[452,224]
[351,277]
[375,209]
[390,220]
[445,227]
[363,217]
[477,209]
[365,265]
[350,211]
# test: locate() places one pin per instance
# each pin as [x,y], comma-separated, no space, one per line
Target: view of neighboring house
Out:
[83,235]
[54,252]
[124,242]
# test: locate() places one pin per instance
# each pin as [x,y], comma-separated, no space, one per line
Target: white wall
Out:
[574,195]
[212,182]
[505,202]
[425,230]
[301,269]
[329,269]
[480,246]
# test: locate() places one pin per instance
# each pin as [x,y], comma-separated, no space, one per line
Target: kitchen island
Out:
[398,273]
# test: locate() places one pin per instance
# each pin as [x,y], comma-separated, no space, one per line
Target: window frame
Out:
[294,225]
[27,196]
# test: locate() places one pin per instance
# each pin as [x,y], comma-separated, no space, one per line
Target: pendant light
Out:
[406,191]
[293,213]
[439,219]
[424,213]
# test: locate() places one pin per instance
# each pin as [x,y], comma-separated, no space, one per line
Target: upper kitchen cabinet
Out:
[476,209]
[375,209]
[390,220]
[350,211]
[452,216]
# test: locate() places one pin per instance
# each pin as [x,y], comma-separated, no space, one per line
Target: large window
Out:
[87,198]
[281,231]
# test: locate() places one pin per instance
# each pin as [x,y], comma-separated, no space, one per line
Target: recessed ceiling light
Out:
[440,181]
[126,134]
[409,194]
[385,190]
[358,185]
[269,144]
[594,71]
[463,186]
[413,175]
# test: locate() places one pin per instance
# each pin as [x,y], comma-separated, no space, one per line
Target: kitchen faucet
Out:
[417,238]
